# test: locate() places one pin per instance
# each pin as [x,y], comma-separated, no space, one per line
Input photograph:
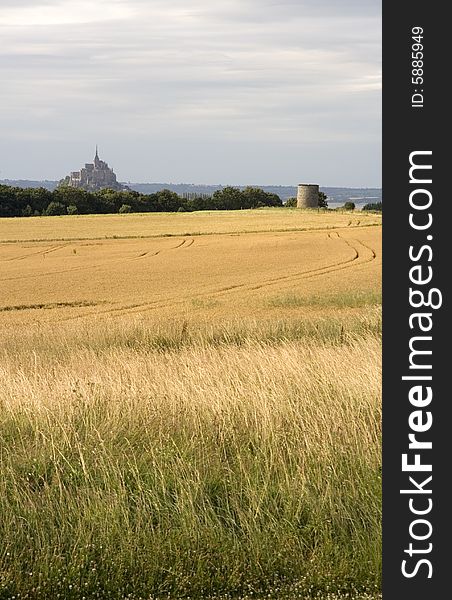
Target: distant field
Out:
[191,416]
[157,224]
[154,269]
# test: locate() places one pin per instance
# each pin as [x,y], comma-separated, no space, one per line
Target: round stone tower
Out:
[308,195]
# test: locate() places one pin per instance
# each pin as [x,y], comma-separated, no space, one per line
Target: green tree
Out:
[168,201]
[125,208]
[72,209]
[37,198]
[108,201]
[54,209]
[27,211]
[377,206]
[291,202]
[349,206]
[8,206]
[253,197]
[198,203]
[229,198]
[70,196]
[323,200]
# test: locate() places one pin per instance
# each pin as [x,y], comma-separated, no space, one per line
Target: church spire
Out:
[97,155]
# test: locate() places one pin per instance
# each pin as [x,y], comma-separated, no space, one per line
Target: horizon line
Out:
[358,187]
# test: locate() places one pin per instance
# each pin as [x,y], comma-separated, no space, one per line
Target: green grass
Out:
[244,465]
[351,299]
[204,302]
[177,334]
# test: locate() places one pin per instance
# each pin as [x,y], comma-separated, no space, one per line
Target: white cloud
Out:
[150,74]
[69,12]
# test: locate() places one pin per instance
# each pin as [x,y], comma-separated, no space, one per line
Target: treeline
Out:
[377,206]
[28,202]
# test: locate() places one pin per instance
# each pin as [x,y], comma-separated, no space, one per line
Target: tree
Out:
[167,201]
[229,198]
[202,202]
[109,201]
[125,208]
[377,206]
[16,202]
[70,196]
[232,198]
[27,211]
[253,197]
[323,200]
[291,202]
[54,209]
[8,206]
[37,198]
[349,206]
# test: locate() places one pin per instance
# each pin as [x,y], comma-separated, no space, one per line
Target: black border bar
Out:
[422,516]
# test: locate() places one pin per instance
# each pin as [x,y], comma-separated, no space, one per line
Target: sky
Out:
[269,92]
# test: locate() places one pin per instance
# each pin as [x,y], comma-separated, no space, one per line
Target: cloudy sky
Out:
[201,91]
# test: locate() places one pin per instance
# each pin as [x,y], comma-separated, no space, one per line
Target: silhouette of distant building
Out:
[94,176]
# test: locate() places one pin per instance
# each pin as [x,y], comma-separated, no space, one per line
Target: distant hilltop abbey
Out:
[94,176]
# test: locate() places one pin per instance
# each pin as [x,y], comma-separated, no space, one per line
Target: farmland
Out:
[227,265]
[190,405]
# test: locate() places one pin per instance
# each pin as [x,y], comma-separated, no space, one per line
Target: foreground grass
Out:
[191,463]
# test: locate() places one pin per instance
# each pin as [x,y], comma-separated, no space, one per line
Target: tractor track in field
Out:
[286,278]
[186,243]
[39,253]
[135,308]
[307,274]
[34,275]
[131,308]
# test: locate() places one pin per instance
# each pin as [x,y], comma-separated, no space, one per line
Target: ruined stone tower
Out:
[308,195]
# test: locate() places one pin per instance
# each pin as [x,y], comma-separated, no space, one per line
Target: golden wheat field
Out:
[198,265]
[190,406]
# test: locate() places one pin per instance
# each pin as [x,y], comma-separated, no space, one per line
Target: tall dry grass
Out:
[138,463]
